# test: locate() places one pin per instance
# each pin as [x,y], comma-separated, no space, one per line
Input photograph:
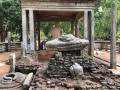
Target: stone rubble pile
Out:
[28,64]
[106,78]
[97,80]
[60,66]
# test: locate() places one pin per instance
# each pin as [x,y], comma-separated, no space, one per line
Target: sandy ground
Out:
[5,56]
[106,55]
[4,68]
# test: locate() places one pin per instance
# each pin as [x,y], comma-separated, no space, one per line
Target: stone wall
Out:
[59,65]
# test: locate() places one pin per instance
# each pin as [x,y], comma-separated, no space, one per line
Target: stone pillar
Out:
[32,36]
[12,61]
[23,51]
[24,28]
[35,29]
[113,36]
[91,33]
[0,37]
[9,41]
[72,28]
[119,47]
[38,35]
[3,47]
[85,32]
[77,29]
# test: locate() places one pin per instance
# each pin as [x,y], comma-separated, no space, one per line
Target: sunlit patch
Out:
[2,64]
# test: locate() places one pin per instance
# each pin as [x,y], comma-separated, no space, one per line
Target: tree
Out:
[10,17]
[103,19]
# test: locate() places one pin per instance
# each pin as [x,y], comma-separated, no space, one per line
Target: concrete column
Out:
[85,32]
[119,47]
[35,25]
[32,36]
[24,28]
[9,41]
[0,37]
[72,28]
[77,29]
[113,36]
[38,35]
[91,33]
[3,47]
[23,51]
[12,62]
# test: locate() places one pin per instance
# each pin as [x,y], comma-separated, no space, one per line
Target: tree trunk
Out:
[4,33]
[3,37]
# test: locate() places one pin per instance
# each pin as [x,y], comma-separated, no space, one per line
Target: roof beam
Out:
[79,16]
[56,18]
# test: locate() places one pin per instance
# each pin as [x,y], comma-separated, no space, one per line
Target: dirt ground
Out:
[4,68]
[5,56]
[106,55]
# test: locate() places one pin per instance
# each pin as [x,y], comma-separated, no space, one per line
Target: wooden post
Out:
[72,28]
[32,36]
[38,35]
[85,35]
[24,28]
[113,36]
[9,41]
[77,29]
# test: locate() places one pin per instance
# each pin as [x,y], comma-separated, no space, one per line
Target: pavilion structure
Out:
[36,11]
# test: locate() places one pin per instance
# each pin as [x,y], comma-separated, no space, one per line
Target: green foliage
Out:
[66,27]
[103,88]
[103,18]
[42,36]
[46,27]
[10,12]
[81,28]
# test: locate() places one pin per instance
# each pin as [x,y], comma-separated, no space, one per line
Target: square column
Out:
[24,29]
[85,32]
[91,33]
[113,36]
[9,41]
[77,29]
[35,34]
[32,29]
[38,35]
[72,28]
